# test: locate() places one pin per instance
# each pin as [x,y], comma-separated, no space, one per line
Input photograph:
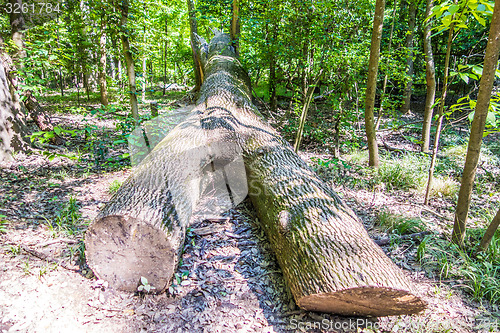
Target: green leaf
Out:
[477,70]
[453,9]
[481,20]
[471,116]
[491,119]
[144,281]
[57,130]
[464,77]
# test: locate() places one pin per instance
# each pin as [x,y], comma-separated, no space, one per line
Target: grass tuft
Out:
[114,186]
[479,272]
[399,224]
[407,172]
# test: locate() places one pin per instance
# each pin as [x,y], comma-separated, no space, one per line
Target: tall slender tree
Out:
[371,84]
[124,8]
[412,12]
[430,78]
[235,26]
[476,134]
[193,29]
[102,63]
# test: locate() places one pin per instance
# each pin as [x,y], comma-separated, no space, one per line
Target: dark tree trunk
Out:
[328,260]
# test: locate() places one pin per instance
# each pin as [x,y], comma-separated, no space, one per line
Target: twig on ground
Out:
[45,257]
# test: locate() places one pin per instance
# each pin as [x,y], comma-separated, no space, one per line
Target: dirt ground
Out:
[229,280]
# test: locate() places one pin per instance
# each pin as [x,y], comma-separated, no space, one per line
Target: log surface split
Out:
[328,260]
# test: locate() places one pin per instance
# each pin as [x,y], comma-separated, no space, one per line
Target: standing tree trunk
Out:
[235,26]
[412,12]
[17,26]
[477,128]
[430,78]
[12,120]
[102,64]
[328,260]
[440,113]
[371,83]
[386,76]
[193,28]
[144,79]
[165,57]
[272,68]
[490,232]
[129,60]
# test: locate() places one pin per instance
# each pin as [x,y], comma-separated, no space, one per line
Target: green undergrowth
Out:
[396,172]
[67,220]
[399,224]
[476,273]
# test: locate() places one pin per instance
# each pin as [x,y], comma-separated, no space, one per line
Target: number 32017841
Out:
[33,8]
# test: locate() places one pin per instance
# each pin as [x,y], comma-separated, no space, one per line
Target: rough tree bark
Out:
[327,257]
[430,78]
[129,60]
[12,120]
[371,83]
[477,128]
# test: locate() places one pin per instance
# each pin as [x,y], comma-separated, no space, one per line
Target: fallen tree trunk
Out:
[40,117]
[328,260]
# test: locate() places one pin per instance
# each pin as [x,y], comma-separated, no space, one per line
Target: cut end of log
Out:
[121,250]
[366,301]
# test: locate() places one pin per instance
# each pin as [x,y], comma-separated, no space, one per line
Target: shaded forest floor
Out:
[228,280]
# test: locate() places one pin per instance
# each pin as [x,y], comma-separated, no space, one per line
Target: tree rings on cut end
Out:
[121,250]
[366,301]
